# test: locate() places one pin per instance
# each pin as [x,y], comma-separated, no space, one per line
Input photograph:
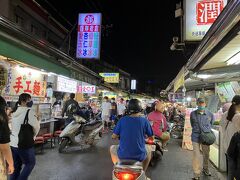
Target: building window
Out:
[34,29]
[19,20]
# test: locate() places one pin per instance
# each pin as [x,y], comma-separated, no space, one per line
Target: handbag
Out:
[206,138]
[25,136]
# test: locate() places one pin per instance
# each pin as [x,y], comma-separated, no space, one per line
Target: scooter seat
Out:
[129,163]
[92,125]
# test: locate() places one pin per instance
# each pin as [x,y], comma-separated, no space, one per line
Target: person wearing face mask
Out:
[201,120]
[22,155]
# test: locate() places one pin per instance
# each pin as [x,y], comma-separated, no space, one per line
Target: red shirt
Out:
[159,123]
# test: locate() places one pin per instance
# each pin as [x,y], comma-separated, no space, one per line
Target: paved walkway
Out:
[95,164]
[177,164]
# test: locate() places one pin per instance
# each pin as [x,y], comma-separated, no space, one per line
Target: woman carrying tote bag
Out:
[6,160]
[25,127]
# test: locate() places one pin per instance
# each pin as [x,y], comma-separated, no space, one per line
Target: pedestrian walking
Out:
[201,122]
[230,124]
[25,127]
[6,160]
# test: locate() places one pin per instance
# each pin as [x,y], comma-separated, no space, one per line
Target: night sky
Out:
[140,38]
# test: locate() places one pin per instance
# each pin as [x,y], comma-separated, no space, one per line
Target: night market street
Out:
[99,90]
[95,164]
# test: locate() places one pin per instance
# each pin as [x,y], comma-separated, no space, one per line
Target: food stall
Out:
[214,66]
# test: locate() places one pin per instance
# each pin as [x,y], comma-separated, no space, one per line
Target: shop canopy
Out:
[217,58]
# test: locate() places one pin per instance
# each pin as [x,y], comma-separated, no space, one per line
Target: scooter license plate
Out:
[153,147]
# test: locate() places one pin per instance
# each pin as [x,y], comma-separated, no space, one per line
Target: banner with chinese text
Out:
[65,84]
[89,36]
[3,77]
[179,80]
[110,77]
[199,16]
[187,141]
[25,80]
[87,89]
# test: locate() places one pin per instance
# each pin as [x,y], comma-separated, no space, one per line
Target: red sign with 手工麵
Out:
[25,80]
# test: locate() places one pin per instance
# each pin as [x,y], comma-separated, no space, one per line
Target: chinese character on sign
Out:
[90,36]
[28,90]
[85,36]
[85,44]
[18,85]
[208,11]
[89,19]
[85,52]
[36,88]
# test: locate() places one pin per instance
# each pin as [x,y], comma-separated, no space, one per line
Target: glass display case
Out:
[57,111]
[214,149]
[43,110]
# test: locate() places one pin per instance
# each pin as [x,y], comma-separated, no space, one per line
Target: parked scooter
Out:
[80,133]
[178,127]
[128,170]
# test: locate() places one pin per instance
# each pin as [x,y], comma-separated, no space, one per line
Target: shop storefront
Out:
[212,72]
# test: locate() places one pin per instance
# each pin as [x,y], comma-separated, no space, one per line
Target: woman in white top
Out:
[22,156]
[230,124]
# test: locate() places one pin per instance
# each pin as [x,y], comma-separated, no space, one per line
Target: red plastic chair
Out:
[56,135]
[39,140]
[48,136]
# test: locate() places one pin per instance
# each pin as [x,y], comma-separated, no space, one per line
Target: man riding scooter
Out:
[132,131]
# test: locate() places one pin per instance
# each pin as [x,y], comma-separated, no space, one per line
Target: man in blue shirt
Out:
[132,131]
[201,119]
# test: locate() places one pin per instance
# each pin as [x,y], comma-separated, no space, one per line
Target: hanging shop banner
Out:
[3,77]
[236,87]
[179,79]
[212,103]
[25,80]
[110,95]
[87,89]
[187,141]
[89,36]
[110,77]
[225,92]
[65,84]
[229,90]
[199,16]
